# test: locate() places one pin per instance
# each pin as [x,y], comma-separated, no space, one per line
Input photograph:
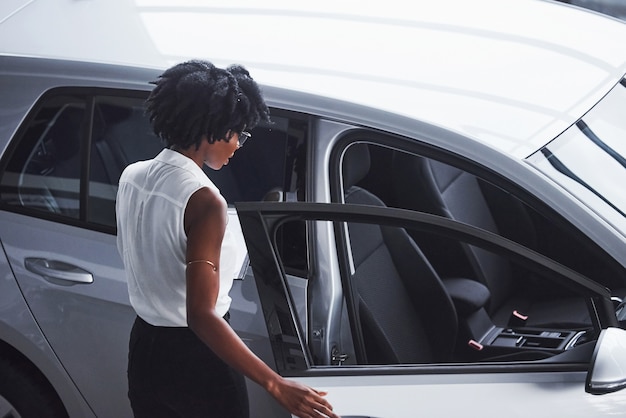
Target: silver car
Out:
[433,225]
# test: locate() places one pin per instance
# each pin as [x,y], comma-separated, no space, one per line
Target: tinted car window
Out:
[271,167]
[121,135]
[271,164]
[46,172]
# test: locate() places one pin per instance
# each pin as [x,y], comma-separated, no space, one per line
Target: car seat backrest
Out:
[404,312]
[430,186]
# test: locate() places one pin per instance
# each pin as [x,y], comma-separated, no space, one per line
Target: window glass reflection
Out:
[589,159]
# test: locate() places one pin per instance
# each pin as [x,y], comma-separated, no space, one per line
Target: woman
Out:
[184,359]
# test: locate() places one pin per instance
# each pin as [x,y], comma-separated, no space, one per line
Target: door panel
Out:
[493,395]
[493,386]
[86,324]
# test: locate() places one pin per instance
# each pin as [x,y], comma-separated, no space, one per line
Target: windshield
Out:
[589,159]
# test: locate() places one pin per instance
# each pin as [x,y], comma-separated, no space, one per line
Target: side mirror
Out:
[607,371]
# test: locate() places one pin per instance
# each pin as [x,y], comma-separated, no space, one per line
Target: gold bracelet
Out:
[203,261]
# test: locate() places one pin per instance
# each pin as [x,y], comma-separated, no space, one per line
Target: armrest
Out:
[468,295]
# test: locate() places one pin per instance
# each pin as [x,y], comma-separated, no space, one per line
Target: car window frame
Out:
[89,95]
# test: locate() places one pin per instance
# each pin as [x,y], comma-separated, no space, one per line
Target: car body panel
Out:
[441,80]
[99,312]
[21,332]
[455,395]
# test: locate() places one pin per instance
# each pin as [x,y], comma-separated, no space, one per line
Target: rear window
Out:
[66,160]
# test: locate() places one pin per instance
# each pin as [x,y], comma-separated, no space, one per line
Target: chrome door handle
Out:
[58,272]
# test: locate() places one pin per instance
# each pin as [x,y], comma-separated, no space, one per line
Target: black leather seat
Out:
[405,314]
[430,186]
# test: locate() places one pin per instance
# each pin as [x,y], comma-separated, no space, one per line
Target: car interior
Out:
[412,289]
[405,313]
[447,191]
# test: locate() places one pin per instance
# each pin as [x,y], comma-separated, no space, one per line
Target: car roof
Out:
[512,74]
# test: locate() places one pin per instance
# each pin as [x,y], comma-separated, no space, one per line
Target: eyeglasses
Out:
[243,137]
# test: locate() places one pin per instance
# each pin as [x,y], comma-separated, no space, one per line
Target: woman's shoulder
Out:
[133,170]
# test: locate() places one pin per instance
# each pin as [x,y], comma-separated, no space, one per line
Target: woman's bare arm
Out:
[205,224]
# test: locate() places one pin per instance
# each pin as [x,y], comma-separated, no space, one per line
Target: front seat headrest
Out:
[356,164]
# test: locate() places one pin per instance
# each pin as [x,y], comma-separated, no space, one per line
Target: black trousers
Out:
[172,373]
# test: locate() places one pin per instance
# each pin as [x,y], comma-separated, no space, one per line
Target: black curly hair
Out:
[195,98]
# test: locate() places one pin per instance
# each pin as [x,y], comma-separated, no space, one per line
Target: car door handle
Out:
[58,272]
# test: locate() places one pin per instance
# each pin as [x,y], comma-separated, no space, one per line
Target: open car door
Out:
[379,360]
